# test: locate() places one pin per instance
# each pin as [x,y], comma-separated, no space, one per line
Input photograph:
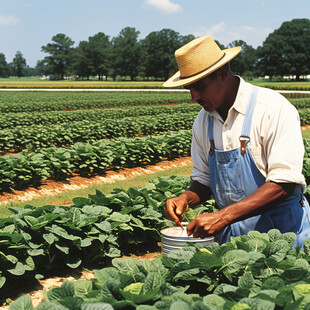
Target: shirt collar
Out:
[241,100]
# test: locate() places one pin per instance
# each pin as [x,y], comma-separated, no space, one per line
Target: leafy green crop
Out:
[257,271]
[34,240]
[30,168]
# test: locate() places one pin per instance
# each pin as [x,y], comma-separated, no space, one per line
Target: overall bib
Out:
[234,176]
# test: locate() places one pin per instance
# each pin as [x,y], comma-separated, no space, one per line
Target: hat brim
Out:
[177,81]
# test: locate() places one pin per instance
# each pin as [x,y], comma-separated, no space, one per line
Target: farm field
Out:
[55,137]
[93,83]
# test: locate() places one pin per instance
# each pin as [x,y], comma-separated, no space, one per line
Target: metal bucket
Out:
[175,238]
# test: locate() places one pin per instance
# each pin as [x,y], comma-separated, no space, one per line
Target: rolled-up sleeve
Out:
[283,145]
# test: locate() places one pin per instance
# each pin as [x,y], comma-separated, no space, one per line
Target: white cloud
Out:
[225,34]
[165,6]
[8,20]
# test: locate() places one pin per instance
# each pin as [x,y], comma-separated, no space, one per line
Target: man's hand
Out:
[205,225]
[175,208]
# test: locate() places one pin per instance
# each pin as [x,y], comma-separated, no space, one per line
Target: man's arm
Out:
[263,198]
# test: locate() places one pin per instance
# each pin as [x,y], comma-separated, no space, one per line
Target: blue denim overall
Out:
[234,176]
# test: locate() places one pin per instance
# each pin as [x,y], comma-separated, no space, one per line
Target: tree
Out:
[286,51]
[4,69]
[158,49]
[245,62]
[81,60]
[100,49]
[19,64]
[60,59]
[126,53]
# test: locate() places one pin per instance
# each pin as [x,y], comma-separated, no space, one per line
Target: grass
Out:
[306,134]
[65,198]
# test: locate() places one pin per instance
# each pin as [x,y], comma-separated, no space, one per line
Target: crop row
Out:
[30,168]
[304,115]
[286,86]
[37,239]
[11,120]
[37,137]
[27,168]
[62,101]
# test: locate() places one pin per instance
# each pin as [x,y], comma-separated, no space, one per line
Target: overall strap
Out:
[211,137]
[245,133]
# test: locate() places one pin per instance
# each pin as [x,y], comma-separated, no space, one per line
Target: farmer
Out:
[247,150]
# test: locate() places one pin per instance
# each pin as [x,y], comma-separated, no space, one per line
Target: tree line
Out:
[285,52]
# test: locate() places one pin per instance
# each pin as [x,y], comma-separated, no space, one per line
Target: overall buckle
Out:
[243,142]
[211,147]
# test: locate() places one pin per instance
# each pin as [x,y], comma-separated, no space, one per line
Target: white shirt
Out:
[275,137]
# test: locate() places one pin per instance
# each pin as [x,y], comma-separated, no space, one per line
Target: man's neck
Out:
[231,93]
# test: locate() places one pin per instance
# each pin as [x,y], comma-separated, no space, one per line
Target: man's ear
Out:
[223,72]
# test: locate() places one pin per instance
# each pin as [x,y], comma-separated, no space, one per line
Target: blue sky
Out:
[26,25]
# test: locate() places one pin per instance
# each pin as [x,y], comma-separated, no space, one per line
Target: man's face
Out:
[208,92]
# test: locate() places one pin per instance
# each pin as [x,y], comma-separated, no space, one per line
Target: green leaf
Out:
[301,290]
[75,263]
[71,302]
[152,281]
[22,303]
[127,266]
[214,301]
[18,270]
[63,249]
[113,252]
[35,252]
[82,287]
[241,306]
[50,306]
[96,306]
[2,281]
[85,242]
[31,221]
[206,259]
[81,201]
[297,271]
[234,261]
[50,238]
[59,293]
[29,263]
[104,226]
[257,303]
[274,234]
[273,283]
[134,288]
[107,273]
[187,275]
[246,281]
[180,305]
[306,246]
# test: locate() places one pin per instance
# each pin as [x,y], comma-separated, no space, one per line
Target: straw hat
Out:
[199,58]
